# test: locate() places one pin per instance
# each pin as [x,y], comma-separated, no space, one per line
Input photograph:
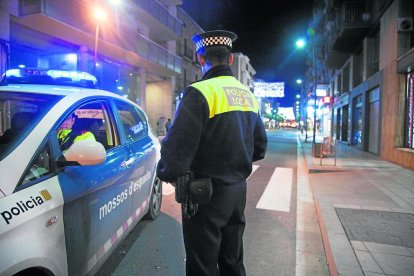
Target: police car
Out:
[63,211]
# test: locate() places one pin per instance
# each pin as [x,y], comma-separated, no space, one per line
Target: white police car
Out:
[62,211]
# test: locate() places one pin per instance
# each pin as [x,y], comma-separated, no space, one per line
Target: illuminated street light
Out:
[300,43]
[100,16]
[311,32]
[299,81]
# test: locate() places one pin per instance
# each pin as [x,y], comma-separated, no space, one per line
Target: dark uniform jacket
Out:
[217,131]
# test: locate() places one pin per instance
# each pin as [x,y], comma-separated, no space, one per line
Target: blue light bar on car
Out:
[52,77]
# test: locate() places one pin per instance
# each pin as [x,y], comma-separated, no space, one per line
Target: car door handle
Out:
[127,163]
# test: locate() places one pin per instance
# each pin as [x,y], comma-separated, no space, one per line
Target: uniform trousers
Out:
[213,238]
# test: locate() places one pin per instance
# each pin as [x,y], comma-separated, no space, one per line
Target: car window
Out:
[134,124]
[19,114]
[40,166]
[90,121]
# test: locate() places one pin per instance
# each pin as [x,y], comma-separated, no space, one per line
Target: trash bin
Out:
[316,149]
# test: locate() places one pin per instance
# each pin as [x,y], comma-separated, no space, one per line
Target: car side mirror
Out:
[85,153]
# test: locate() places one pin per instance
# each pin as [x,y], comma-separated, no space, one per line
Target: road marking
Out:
[254,168]
[278,191]
[167,189]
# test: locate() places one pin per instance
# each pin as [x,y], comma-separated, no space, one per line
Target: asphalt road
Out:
[156,247]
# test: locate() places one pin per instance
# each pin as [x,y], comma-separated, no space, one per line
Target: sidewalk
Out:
[365,208]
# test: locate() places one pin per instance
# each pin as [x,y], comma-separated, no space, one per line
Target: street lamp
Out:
[303,111]
[300,43]
[100,16]
[311,32]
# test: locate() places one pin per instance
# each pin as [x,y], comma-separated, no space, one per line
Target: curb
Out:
[328,251]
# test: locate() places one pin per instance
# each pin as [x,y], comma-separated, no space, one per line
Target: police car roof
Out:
[51,82]
[53,89]
[48,77]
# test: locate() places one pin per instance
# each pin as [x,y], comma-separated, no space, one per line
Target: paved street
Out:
[271,237]
[303,218]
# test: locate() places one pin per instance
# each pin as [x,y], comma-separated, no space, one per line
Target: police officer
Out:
[73,129]
[217,133]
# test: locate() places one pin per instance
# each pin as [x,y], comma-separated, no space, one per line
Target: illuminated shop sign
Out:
[269,89]
[321,90]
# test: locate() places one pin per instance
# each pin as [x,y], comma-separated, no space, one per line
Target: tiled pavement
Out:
[365,208]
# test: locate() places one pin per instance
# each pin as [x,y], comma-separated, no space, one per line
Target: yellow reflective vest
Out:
[64,137]
[225,94]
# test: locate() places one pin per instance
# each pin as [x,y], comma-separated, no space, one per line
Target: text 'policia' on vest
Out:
[225,94]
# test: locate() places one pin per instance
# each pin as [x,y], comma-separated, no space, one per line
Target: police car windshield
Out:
[19,114]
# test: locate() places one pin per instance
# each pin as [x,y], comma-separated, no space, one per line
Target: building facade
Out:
[132,51]
[191,70]
[368,56]
[141,49]
[243,70]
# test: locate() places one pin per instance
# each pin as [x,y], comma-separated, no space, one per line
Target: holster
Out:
[201,190]
[191,192]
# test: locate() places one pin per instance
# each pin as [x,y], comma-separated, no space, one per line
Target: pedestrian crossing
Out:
[277,193]
[275,197]
[167,189]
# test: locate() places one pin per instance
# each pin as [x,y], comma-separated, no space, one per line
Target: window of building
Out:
[340,87]
[345,78]
[373,55]
[357,121]
[357,68]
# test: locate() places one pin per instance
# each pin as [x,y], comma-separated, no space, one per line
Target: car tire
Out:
[155,200]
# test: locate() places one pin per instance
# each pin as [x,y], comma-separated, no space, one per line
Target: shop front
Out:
[357,119]
[341,116]
[373,128]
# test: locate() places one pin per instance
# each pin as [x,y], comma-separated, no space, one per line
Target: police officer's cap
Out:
[214,38]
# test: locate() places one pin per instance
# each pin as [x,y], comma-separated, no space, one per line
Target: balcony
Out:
[334,59]
[150,50]
[116,43]
[156,10]
[172,2]
[351,25]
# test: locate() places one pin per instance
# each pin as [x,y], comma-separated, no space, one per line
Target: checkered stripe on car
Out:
[117,235]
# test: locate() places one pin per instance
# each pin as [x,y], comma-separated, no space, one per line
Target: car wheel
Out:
[155,200]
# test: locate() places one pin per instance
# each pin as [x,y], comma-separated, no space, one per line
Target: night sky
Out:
[266,34]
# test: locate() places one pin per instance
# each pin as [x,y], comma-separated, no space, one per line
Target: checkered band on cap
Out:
[214,41]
